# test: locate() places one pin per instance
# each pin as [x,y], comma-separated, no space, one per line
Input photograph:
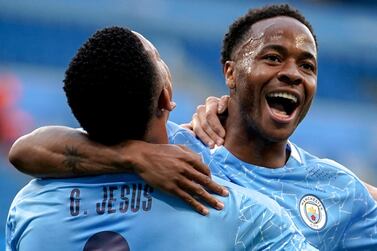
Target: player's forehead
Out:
[282,29]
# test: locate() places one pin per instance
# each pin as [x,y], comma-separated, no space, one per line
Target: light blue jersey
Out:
[122,213]
[326,201]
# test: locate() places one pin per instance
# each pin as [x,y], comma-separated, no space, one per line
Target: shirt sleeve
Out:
[361,233]
[264,229]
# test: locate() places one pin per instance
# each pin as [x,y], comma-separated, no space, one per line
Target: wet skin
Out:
[272,80]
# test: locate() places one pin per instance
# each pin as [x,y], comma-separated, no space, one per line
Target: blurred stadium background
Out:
[38,39]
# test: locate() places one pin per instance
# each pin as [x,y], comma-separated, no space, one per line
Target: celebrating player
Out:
[115,69]
[270,65]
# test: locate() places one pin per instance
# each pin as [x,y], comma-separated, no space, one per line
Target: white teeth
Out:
[283,95]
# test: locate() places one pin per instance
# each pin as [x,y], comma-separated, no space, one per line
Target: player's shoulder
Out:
[324,164]
[28,190]
[173,128]
[28,193]
[180,135]
[249,198]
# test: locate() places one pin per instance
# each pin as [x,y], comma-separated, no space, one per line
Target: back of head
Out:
[109,86]
[237,31]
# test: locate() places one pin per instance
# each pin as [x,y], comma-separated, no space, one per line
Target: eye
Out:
[308,66]
[272,58]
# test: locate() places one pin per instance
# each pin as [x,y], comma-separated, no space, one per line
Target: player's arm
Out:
[57,151]
[60,152]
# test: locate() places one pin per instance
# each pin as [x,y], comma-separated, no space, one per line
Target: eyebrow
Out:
[284,51]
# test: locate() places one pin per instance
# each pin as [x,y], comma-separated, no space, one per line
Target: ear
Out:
[228,73]
[164,101]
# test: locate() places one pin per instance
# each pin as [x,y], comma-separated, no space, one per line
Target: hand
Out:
[177,170]
[206,123]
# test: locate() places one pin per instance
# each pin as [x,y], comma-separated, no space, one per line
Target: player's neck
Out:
[252,147]
[156,132]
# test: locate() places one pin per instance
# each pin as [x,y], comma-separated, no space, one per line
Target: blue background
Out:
[38,39]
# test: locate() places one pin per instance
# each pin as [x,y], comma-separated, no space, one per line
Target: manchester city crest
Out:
[313,212]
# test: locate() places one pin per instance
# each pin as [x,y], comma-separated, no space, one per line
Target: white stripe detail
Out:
[294,152]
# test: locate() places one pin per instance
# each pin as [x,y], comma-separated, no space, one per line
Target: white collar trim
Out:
[294,152]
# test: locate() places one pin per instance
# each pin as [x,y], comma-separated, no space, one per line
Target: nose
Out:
[290,74]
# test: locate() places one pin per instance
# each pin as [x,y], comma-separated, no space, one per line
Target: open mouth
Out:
[282,103]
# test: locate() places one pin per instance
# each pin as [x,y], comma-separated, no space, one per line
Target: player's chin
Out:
[277,135]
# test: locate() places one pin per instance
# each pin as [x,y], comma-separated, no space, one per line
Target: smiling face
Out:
[273,77]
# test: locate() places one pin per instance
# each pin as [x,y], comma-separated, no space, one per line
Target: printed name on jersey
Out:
[312,212]
[122,199]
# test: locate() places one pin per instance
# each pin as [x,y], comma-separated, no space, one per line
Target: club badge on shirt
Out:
[313,212]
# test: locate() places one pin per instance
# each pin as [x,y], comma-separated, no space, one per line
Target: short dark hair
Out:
[243,24]
[110,86]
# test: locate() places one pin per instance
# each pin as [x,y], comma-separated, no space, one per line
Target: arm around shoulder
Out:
[59,151]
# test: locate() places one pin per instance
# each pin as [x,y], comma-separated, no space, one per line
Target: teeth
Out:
[283,95]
